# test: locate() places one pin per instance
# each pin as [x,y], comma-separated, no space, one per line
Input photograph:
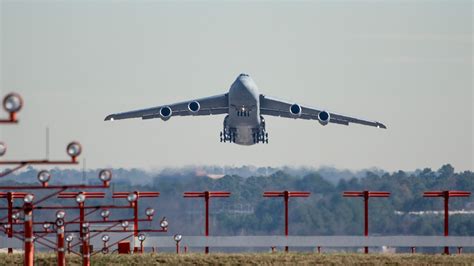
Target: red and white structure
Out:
[366,194]
[207,195]
[446,194]
[132,198]
[286,195]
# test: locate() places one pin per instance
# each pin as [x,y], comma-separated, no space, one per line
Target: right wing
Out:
[274,107]
[213,105]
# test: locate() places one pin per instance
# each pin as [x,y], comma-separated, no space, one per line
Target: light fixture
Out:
[74,149]
[177,237]
[105,213]
[46,226]
[44,176]
[105,238]
[59,223]
[12,102]
[80,198]
[149,212]
[132,197]
[3,148]
[69,238]
[105,175]
[16,216]
[60,218]
[124,225]
[141,237]
[60,214]
[164,223]
[29,198]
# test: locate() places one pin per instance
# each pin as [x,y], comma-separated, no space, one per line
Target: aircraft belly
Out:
[244,136]
[244,128]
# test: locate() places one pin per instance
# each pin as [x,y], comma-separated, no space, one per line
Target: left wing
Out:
[218,104]
[274,107]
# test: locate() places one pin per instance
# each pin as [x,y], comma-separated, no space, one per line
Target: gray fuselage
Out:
[244,110]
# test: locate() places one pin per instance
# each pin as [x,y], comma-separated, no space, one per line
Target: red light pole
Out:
[207,195]
[366,195]
[10,196]
[177,238]
[286,195]
[133,198]
[86,256]
[28,230]
[446,195]
[80,197]
[60,238]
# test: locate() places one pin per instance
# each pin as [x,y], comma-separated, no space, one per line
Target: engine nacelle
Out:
[324,117]
[194,107]
[165,113]
[295,109]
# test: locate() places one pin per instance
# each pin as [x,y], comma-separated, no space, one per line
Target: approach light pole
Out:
[177,238]
[61,257]
[141,238]
[10,196]
[133,198]
[446,195]
[29,246]
[366,195]
[80,198]
[207,195]
[69,239]
[286,195]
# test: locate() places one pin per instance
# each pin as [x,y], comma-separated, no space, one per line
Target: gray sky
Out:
[405,63]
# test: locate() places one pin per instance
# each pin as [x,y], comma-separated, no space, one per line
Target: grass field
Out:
[251,259]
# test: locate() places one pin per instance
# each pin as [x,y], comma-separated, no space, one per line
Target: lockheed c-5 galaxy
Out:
[244,108]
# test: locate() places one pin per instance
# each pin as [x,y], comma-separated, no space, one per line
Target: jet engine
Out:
[165,113]
[324,117]
[194,107]
[295,109]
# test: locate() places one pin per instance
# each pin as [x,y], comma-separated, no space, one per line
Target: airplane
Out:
[244,108]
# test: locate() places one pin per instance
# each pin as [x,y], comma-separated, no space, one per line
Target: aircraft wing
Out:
[213,105]
[274,107]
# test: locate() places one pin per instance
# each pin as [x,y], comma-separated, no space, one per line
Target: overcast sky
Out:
[405,63]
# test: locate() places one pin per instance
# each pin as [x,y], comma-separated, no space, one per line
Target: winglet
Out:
[109,118]
[380,125]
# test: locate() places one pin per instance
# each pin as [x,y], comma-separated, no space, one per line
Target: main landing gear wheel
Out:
[226,136]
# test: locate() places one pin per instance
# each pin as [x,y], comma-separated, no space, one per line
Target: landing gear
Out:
[227,136]
[260,137]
